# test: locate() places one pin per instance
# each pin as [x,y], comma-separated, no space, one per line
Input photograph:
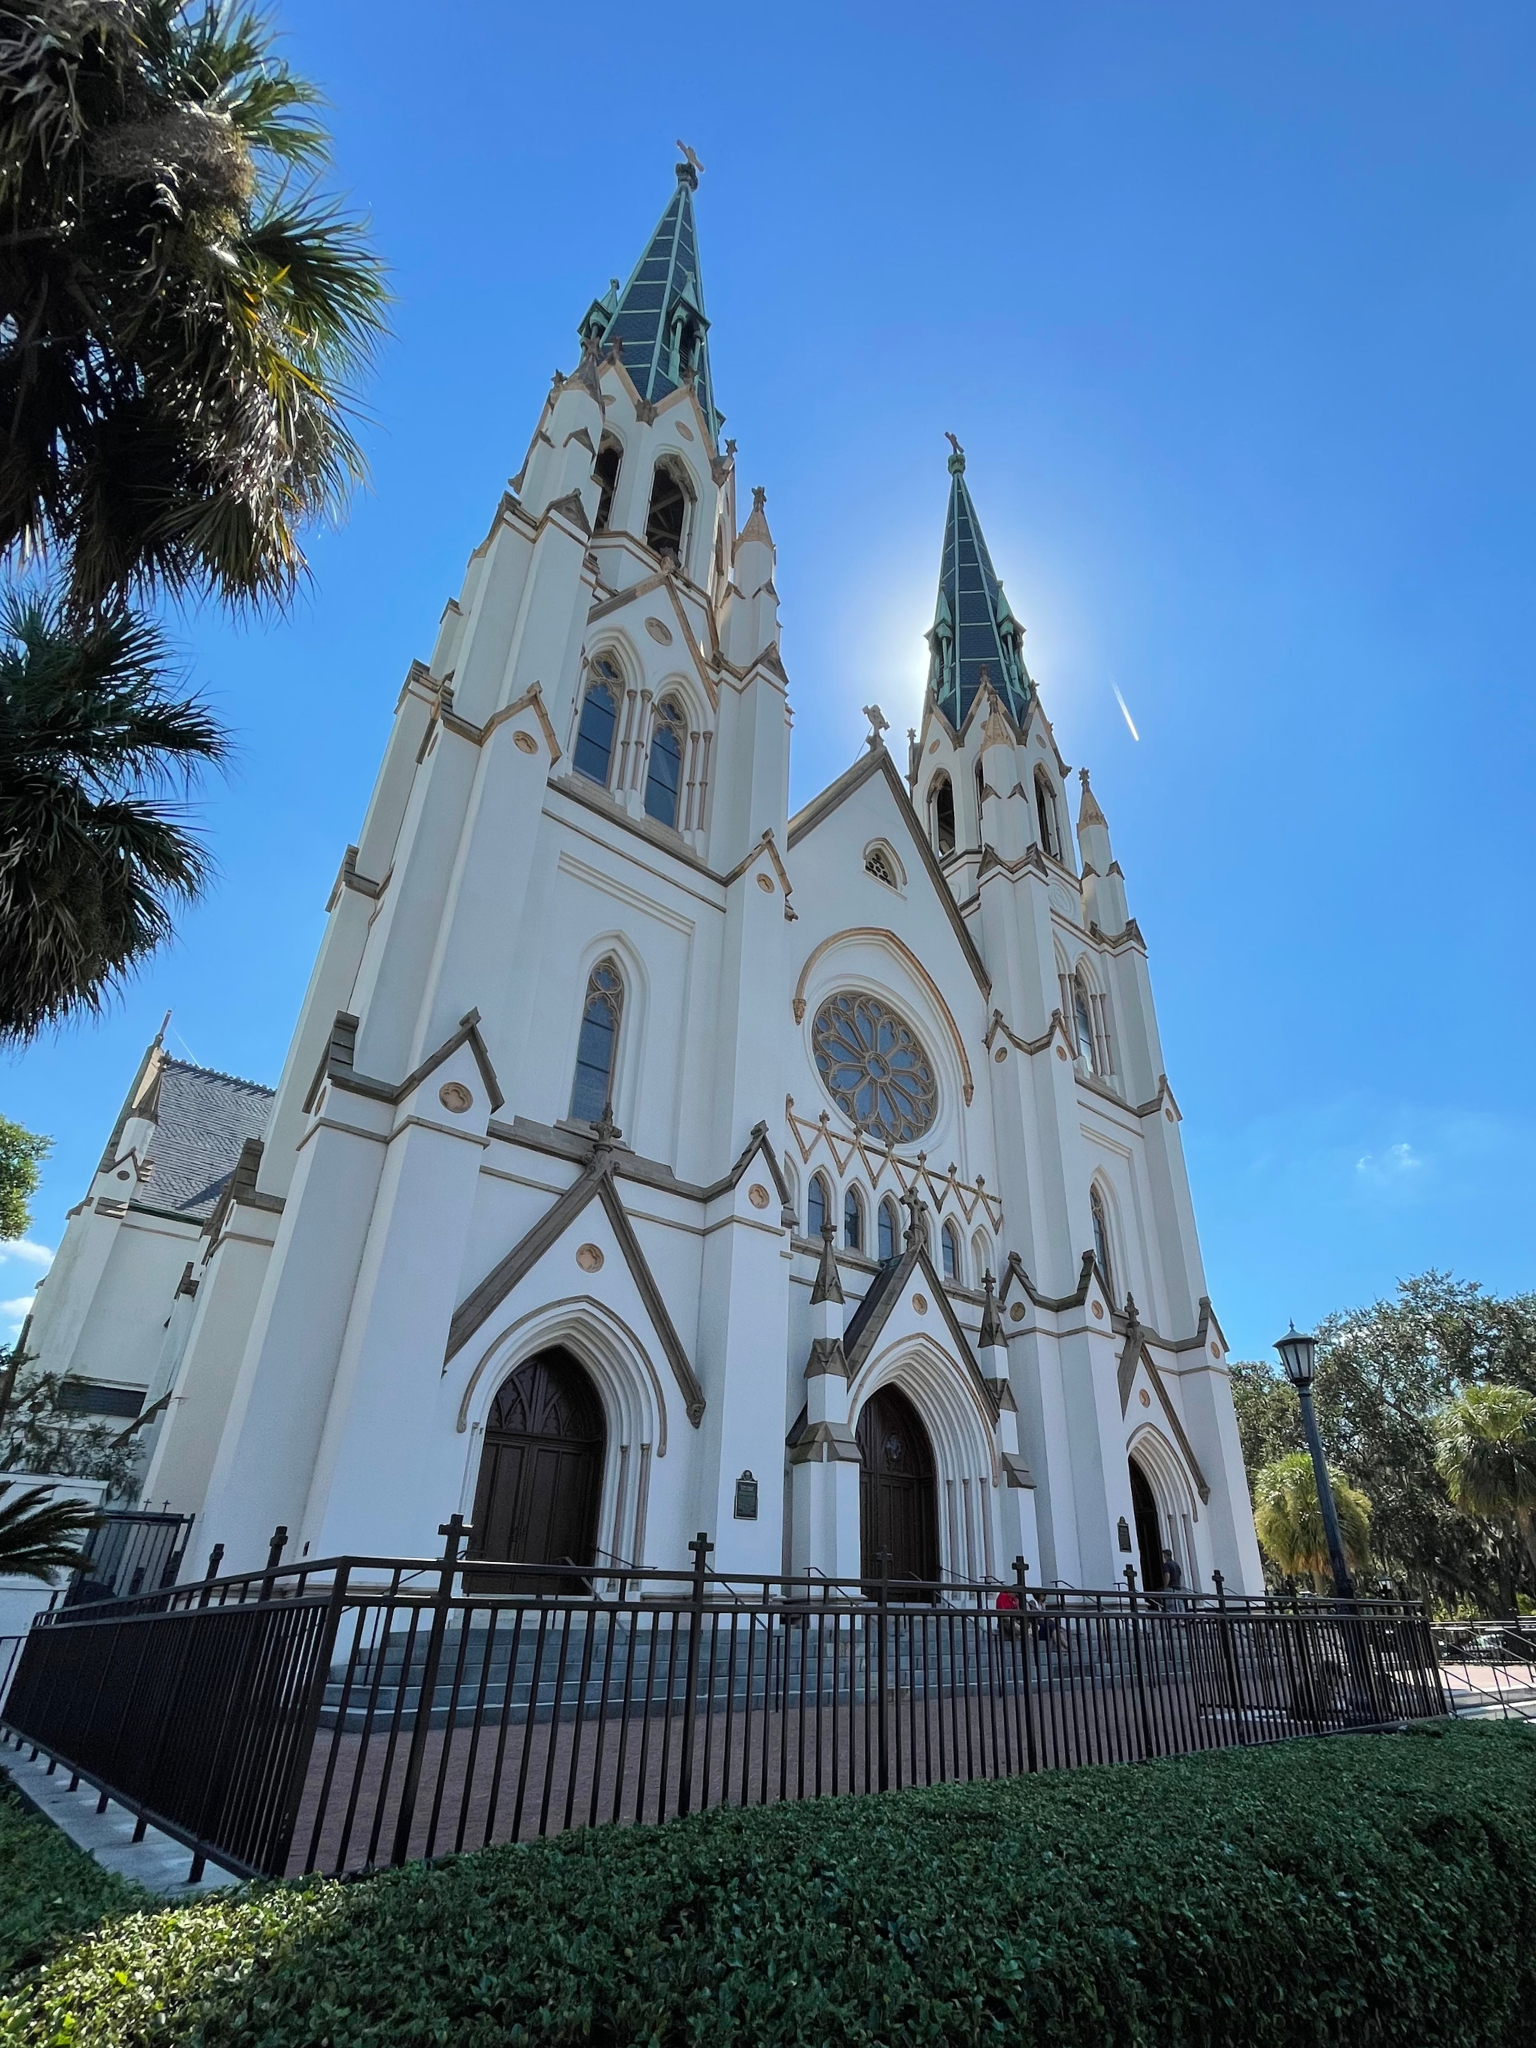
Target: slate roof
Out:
[203,1119]
[975,637]
[665,295]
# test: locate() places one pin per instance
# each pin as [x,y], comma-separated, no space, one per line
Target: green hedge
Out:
[1379,1889]
[49,1889]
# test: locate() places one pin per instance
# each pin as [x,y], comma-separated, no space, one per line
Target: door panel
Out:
[898,1496]
[541,1474]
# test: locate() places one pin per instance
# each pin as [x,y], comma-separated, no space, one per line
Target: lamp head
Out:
[1298,1354]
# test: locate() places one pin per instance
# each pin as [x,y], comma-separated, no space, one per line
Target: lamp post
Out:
[1298,1354]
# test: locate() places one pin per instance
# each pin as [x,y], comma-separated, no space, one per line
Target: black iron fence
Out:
[360,1711]
[1488,1668]
[128,1552]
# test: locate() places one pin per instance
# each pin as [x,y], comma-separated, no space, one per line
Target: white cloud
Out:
[16,1312]
[1395,1164]
[30,1254]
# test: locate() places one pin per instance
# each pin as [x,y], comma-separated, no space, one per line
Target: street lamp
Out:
[1298,1354]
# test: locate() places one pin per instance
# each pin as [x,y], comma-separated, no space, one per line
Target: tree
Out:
[1486,1455]
[1289,1518]
[22,1153]
[39,1536]
[1268,1413]
[181,327]
[184,322]
[92,854]
[38,1434]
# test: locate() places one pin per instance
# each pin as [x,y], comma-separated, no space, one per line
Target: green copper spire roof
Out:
[658,318]
[975,638]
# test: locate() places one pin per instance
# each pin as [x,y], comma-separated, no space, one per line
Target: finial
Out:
[606,1132]
[730,449]
[828,1287]
[878,723]
[957,460]
[917,1228]
[991,1327]
[759,494]
[691,171]
[1130,1309]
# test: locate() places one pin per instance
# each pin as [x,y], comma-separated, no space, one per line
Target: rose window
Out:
[874,1067]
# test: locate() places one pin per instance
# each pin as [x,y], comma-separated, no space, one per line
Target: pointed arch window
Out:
[1045,813]
[981,1257]
[853,1221]
[949,1250]
[816,1205]
[592,1089]
[1082,1014]
[941,814]
[1101,1238]
[668,513]
[981,797]
[606,470]
[665,773]
[599,716]
[887,1231]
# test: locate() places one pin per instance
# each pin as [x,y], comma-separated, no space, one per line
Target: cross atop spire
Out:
[657,322]
[975,637]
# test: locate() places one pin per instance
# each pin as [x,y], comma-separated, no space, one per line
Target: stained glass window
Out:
[1101,1236]
[950,1243]
[874,1067]
[599,714]
[853,1221]
[592,1089]
[665,772]
[1083,1012]
[816,1206]
[889,1230]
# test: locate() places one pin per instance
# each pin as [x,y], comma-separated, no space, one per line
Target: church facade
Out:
[648,1158]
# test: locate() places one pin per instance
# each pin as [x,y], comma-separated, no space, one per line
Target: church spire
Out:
[975,638]
[657,321]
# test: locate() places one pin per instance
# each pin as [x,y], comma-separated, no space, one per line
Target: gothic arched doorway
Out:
[541,1471]
[898,1499]
[1149,1531]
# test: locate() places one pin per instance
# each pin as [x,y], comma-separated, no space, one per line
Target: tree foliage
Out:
[184,316]
[22,1153]
[39,1535]
[37,1434]
[94,850]
[1385,1372]
[1289,1519]
[1487,1456]
[184,313]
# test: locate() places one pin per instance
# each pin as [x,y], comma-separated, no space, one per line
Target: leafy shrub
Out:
[49,1889]
[1370,1890]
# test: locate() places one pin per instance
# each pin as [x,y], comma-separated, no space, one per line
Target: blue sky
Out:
[1233,309]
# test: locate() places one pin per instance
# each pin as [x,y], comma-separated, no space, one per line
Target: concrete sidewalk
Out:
[158,1863]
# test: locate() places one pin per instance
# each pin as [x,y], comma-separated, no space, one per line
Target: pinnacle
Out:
[1089,812]
[756,527]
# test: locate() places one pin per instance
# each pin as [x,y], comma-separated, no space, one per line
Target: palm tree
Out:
[1289,1519]
[39,1535]
[1486,1454]
[182,322]
[92,855]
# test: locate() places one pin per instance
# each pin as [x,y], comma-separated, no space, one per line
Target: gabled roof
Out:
[203,1118]
[663,300]
[877,761]
[882,1296]
[975,638]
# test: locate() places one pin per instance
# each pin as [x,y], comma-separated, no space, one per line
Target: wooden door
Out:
[1149,1536]
[541,1472]
[898,1497]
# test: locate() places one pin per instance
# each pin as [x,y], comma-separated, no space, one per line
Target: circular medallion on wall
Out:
[757,1195]
[1061,1052]
[765,882]
[1017,1311]
[920,1303]
[1098,1309]
[590,1258]
[1145,1398]
[686,432]
[525,743]
[660,633]
[1001,1054]
[874,1066]
[455,1096]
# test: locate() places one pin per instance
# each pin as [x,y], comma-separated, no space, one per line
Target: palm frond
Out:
[40,1536]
